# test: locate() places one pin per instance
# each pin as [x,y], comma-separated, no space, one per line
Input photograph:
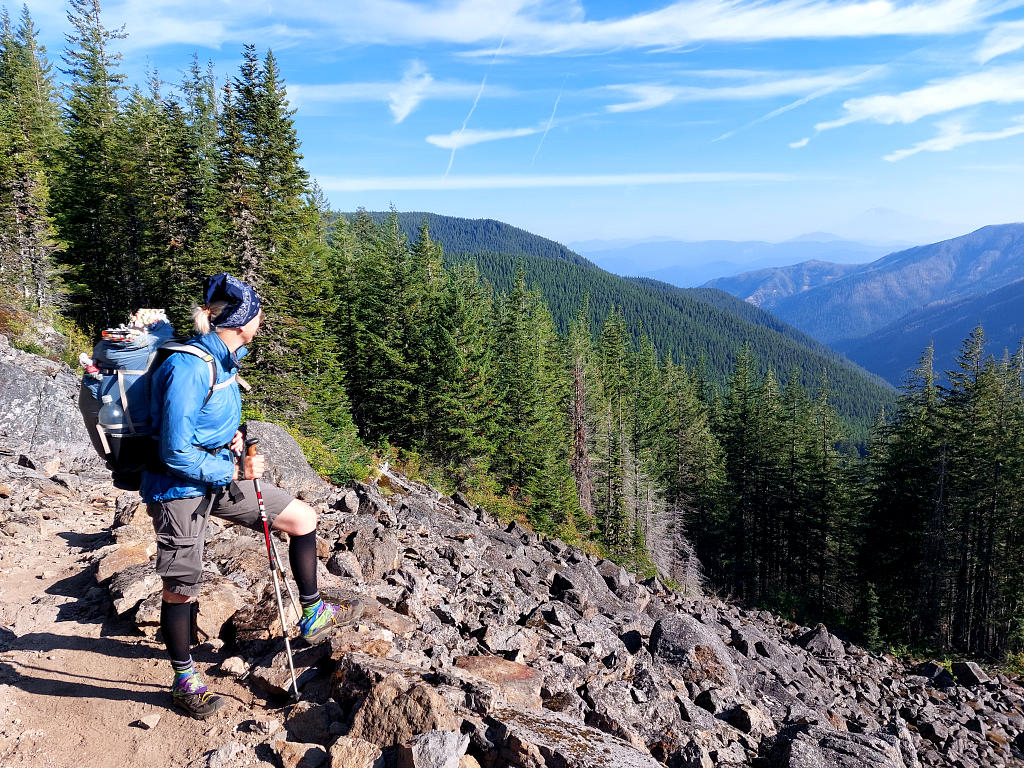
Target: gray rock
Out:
[434,749]
[695,651]
[816,747]
[39,414]
[133,585]
[969,674]
[227,755]
[551,739]
[286,465]
[821,643]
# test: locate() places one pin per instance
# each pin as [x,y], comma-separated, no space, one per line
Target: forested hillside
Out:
[942,326]
[606,427]
[694,326]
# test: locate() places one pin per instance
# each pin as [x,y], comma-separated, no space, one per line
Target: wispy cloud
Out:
[535,27]
[467,137]
[759,85]
[456,183]
[1004,38]
[825,90]
[1002,85]
[952,135]
[408,94]
[402,97]
[799,144]
[643,97]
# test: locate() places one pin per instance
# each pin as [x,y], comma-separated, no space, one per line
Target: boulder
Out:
[969,674]
[376,550]
[293,754]
[123,557]
[394,711]
[805,746]
[347,752]
[550,739]
[519,684]
[694,650]
[39,414]
[133,585]
[273,674]
[434,749]
[286,465]
[822,643]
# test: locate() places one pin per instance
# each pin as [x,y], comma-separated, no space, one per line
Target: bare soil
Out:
[75,680]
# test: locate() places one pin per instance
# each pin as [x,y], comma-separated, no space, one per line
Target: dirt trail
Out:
[75,680]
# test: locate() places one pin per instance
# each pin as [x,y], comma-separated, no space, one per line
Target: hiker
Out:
[204,473]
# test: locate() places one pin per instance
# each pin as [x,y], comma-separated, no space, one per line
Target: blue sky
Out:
[579,119]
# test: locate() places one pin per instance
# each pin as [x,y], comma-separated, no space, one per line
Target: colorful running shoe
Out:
[319,619]
[190,694]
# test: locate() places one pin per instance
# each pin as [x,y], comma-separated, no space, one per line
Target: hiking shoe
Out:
[327,616]
[191,695]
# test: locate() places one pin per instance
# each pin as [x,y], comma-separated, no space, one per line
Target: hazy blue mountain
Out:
[872,297]
[890,351]
[765,288]
[688,264]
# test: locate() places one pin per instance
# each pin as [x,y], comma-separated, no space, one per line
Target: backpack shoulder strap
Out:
[202,354]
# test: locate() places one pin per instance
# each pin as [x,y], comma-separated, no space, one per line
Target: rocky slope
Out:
[482,645]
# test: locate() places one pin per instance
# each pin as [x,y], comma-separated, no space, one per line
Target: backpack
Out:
[122,365]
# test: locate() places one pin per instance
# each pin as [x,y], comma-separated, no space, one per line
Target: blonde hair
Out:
[201,316]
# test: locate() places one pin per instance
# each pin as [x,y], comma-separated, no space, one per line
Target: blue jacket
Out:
[184,426]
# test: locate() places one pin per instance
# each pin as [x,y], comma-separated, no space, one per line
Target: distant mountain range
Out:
[690,324]
[883,314]
[689,264]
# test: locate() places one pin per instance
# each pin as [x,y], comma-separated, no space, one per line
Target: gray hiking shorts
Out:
[181,529]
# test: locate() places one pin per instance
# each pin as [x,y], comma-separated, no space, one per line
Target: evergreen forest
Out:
[563,413]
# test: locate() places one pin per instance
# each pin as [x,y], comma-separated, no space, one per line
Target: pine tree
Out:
[90,197]
[30,137]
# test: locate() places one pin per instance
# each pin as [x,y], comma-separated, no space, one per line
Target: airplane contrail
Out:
[479,93]
[550,121]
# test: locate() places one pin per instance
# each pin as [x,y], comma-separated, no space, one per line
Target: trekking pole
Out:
[275,571]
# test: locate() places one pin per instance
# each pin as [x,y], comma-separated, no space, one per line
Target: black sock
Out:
[302,558]
[176,627]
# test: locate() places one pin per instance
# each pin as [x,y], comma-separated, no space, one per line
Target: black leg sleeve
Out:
[302,558]
[176,627]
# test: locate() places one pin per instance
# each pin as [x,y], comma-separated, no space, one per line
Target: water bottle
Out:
[111,417]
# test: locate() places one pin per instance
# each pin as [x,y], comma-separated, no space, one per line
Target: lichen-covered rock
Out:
[815,747]
[693,649]
[548,739]
[519,684]
[394,711]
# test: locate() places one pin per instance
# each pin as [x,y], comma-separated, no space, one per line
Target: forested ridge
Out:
[693,325]
[115,196]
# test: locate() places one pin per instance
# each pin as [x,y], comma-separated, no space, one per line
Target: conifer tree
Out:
[30,137]
[90,197]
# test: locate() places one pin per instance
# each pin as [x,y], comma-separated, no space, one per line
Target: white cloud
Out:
[644,97]
[466,137]
[799,144]
[952,135]
[764,86]
[1001,85]
[455,183]
[408,94]
[534,27]
[402,97]
[1004,38]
